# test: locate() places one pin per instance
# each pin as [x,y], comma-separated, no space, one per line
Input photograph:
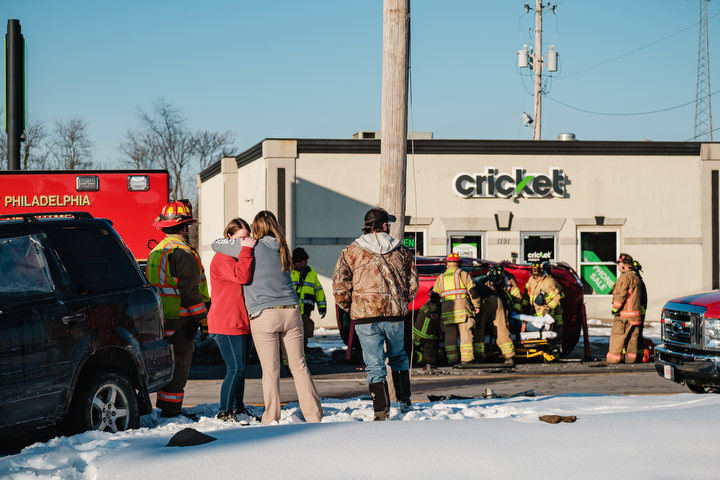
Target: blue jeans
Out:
[235,350]
[373,337]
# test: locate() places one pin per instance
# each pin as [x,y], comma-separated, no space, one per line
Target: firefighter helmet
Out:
[496,273]
[625,258]
[536,268]
[174,214]
[453,257]
[546,267]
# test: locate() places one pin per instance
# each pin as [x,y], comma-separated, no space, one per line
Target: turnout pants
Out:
[170,398]
[273,327]
[426,352]
[624,334]
[463,330]
[493,322]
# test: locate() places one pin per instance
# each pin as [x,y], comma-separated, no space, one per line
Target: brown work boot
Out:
[510,362]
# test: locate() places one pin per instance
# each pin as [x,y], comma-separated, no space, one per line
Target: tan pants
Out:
[464,331]
[623,335]
[273,327]
[493,321]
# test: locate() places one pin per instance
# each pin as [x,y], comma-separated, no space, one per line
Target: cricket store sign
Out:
[496,184]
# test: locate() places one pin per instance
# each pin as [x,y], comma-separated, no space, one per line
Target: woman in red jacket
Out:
[228,319]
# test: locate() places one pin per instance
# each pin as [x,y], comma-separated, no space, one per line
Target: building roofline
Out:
[473,147]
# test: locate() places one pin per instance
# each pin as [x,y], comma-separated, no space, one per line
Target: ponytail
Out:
[265,224]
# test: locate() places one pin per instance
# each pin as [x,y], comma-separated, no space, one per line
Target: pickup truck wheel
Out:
[105,401]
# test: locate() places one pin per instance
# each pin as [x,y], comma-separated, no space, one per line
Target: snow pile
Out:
[669,436]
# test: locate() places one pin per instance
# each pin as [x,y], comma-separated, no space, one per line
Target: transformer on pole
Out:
[537,63]
[702,130]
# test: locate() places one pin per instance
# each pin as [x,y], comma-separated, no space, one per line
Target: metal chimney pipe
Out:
[14,92]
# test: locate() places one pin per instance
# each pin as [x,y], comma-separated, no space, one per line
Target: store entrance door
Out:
[538,246]
[466,244]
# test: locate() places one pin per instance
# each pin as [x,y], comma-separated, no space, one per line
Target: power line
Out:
[702,134]
[611,114]
[560,77]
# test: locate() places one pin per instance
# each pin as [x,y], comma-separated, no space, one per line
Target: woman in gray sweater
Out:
[275,319]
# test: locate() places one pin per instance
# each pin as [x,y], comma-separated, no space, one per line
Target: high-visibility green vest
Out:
[158,272]
[310,291]
[452,286]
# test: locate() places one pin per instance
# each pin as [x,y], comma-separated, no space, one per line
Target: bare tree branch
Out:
[71,147]
[34,150]
[213,146]
[164,139]
[137,147]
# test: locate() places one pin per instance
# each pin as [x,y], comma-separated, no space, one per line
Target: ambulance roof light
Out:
[87,183]
[138,183]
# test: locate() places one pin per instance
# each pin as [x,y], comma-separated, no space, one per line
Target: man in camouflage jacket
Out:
[375,279]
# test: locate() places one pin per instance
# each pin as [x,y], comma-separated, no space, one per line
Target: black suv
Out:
[81,341]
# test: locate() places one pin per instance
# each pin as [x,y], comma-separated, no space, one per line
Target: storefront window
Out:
[538,247]
[466,245]
[415,242]
[598,252]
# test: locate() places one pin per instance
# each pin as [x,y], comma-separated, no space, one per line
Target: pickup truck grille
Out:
[681,327]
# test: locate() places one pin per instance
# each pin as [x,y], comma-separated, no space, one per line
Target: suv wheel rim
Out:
[110,409]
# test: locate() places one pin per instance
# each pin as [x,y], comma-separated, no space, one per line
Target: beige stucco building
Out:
[578,202]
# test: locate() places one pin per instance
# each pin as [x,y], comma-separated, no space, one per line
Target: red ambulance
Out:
[131,199]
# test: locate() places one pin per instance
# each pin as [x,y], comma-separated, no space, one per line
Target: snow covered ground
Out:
[639,437]
[327,339]
[599,331]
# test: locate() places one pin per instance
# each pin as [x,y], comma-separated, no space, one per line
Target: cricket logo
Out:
[493,184]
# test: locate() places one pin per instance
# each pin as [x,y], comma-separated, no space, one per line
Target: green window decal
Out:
[599,277]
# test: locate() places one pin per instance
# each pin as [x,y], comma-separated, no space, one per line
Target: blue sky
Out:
[312,69]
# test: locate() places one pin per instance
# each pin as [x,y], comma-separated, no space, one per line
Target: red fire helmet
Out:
[173,214]
[453,257]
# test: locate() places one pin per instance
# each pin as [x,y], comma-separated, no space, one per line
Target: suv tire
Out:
[105,401]
[698,388]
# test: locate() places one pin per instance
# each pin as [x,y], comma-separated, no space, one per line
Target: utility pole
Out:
[537,68]
[393,141]
[14,92]
[536,62]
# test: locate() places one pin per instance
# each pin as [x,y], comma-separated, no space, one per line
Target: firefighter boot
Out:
[401,380]
[381,400]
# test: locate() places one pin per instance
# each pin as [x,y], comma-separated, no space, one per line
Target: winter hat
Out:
[299,254]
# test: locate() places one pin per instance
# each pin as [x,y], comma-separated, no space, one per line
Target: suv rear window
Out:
[24,267]
[100,263]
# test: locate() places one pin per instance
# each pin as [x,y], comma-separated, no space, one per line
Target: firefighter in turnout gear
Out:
[493,320]
[505,286]
[458,307]
[427,331]
[627,310]
[175,270]
[309,291]
[543,296]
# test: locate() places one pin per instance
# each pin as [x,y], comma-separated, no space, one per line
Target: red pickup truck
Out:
[429,268]
[690,336]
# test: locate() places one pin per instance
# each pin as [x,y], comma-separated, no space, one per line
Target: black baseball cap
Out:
[378,215]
